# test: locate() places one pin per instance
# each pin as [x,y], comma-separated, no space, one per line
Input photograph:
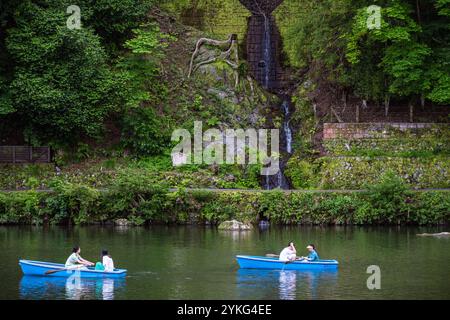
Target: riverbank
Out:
[141,201]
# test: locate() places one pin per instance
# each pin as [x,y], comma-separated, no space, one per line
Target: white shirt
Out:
[108,263]
[73,260]
[287,254]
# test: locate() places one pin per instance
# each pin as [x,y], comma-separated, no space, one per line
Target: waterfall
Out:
[286,128]
[279,180]
[263,44]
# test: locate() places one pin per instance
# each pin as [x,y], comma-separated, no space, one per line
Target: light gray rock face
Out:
[234,225]
[221,94]
[442,234]
[122,222]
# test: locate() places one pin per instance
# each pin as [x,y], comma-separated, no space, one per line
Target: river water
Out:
[198,263]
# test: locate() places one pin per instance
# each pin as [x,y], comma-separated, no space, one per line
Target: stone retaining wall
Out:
[354,131]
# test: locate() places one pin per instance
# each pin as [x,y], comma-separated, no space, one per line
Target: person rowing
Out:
[289,253]
[312,256]
[75,259]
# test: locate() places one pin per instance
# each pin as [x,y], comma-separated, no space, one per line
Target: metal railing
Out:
[24,154]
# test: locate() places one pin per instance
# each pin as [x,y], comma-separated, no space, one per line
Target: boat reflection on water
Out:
[72,288]
[286,284]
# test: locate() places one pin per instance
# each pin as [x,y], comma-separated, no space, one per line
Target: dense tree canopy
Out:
[407,56]
[60,84]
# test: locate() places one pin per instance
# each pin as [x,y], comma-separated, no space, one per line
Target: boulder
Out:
[122,222]
[230,178]
[221,94]
[442,234]
[234,225]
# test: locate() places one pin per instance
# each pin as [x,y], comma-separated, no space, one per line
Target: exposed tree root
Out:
[229,54]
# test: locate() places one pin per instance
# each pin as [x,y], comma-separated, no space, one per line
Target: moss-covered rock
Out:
[234,225]
[356,172]
[389,140]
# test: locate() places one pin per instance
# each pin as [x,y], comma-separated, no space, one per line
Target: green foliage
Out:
[386,141]
[141,66]
[60,82]
[72,203]
[20,207]
[110,164]
[19,176]
[406,64]
[407,57]
[430,207]
[137,197]
[147,40]
[140,200]
[408,54]
[144,133]
[118,18]
[32,183]
[303,174]
[387,200]
[82,152]
[354,172]
[57,99]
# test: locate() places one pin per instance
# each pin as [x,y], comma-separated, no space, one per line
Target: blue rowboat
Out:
[39,268]
[258,262]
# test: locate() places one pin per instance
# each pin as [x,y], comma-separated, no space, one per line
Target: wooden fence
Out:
[24,154]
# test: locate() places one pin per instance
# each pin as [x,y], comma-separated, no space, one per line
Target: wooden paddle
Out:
[65,269]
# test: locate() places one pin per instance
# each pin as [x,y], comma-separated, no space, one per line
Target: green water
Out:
[198,263]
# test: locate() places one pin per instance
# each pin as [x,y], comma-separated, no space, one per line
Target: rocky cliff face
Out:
[263,51]
[263,45]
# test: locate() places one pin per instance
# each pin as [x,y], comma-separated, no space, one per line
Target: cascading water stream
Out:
[279,180]
[263,57]
[286,128]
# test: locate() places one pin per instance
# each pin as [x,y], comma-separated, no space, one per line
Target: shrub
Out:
[145,133]
[20,207]
[302,173]
[387,199]
[72,202]
[430,207]
[137,197]
[337,209]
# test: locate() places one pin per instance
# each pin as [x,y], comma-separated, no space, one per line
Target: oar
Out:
[65,269]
